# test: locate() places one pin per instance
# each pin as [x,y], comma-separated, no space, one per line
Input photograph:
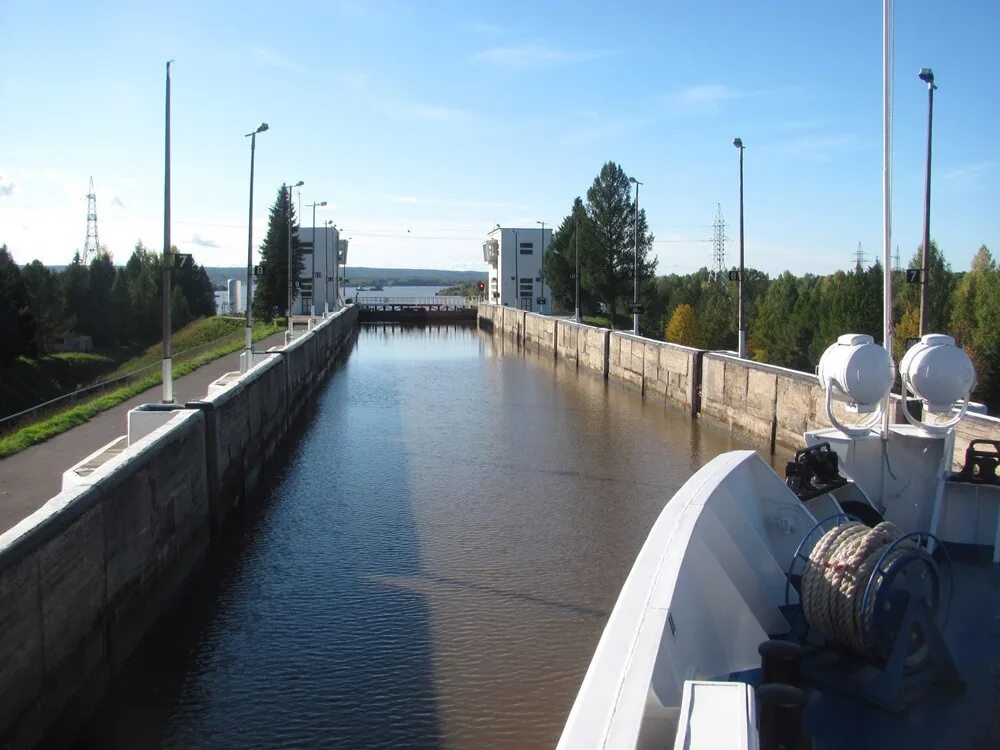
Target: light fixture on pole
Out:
[635,270]
[248,343]
[291,281]
[927,76]
[541,271]
[576,276]
[312,256]
[741,323]
[168,364]
[326,268]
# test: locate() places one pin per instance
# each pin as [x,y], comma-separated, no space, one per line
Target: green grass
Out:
[77,415]
[601,321]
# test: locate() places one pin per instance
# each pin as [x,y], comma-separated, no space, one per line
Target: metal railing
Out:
[364,301]
[10,421]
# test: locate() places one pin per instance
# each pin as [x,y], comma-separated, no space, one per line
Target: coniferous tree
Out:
[75,281]
[17,330]
[271,293]
[44,296]
[559,263]
[607,265]
[100,320]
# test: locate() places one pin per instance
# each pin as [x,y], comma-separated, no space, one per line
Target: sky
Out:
[424,124]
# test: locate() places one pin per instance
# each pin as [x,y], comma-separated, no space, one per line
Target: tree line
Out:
[115,306]
[790,319]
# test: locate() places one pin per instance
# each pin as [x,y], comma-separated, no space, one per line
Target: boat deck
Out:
[943,717]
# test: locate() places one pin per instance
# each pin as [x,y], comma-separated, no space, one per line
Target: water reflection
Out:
[433,566]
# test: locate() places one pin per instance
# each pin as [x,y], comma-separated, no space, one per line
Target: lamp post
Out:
[312,271]
[576,276]
[741,323]
[927,76]
[249,327]
[168,365]
[291,281]
[635,290]
[326,268]
[541,269]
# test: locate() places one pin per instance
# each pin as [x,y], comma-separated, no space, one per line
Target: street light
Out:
[541,270]
[312,271]
[635,292]
[291,282]
[249,327]
[167,363]
[927,76]
[741,324]
[326,267]
[576,276]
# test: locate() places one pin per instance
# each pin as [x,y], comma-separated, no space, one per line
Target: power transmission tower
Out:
[91,244]
[895,260]
[719,245]
[859,257]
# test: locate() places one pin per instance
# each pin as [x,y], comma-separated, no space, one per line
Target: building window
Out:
[527,248]
[527,287]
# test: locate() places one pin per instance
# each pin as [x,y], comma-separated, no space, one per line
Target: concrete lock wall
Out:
[769,405]
[83,578]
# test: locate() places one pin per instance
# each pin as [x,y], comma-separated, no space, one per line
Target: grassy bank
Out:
[58,423]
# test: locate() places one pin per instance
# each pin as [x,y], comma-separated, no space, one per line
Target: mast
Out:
[886,196]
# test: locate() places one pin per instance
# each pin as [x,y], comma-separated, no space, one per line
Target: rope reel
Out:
[857,583]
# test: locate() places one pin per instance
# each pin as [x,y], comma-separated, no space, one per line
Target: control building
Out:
[515,268]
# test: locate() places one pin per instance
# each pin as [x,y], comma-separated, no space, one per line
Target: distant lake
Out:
[397,291]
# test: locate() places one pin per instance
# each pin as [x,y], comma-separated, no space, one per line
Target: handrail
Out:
[72,395]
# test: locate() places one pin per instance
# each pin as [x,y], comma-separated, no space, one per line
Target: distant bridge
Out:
[416,308]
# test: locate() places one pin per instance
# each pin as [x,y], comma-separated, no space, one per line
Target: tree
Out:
[940,287]
[17,329]
[75,282]
[271,293]
[559,263]
[100,318]
[180,312]
[683,327]
[607,261]
[44,297]
[143,282]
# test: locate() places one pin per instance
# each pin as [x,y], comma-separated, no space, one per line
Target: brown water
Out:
[433,566]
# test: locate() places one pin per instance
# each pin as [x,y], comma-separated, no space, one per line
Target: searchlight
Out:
[941,375]
[862,372]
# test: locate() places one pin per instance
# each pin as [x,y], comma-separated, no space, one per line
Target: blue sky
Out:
[425,123]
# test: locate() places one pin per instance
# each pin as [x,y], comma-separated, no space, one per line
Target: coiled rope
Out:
[834,581]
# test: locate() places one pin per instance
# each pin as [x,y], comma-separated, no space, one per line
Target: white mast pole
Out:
[887,197]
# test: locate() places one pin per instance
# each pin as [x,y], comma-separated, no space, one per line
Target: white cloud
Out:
[270,58]
[116,201]
[197,239]
[8,188]
[816,147]
[533,56]
[486,28]
[968,176]
[406,110]
[415,201]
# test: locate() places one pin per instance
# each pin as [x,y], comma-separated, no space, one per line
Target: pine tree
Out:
[101,316]
[44,295]
[271,293]
[17,327]
[607,262]
[559,263]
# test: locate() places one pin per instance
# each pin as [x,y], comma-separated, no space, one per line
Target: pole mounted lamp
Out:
[741,322]
[291,281]
[168,363]
[541,269]
[312,271]
[248,343]
[635,270]
[326,267]
[927,76]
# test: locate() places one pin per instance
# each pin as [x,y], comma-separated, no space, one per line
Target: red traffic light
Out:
[482,285]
